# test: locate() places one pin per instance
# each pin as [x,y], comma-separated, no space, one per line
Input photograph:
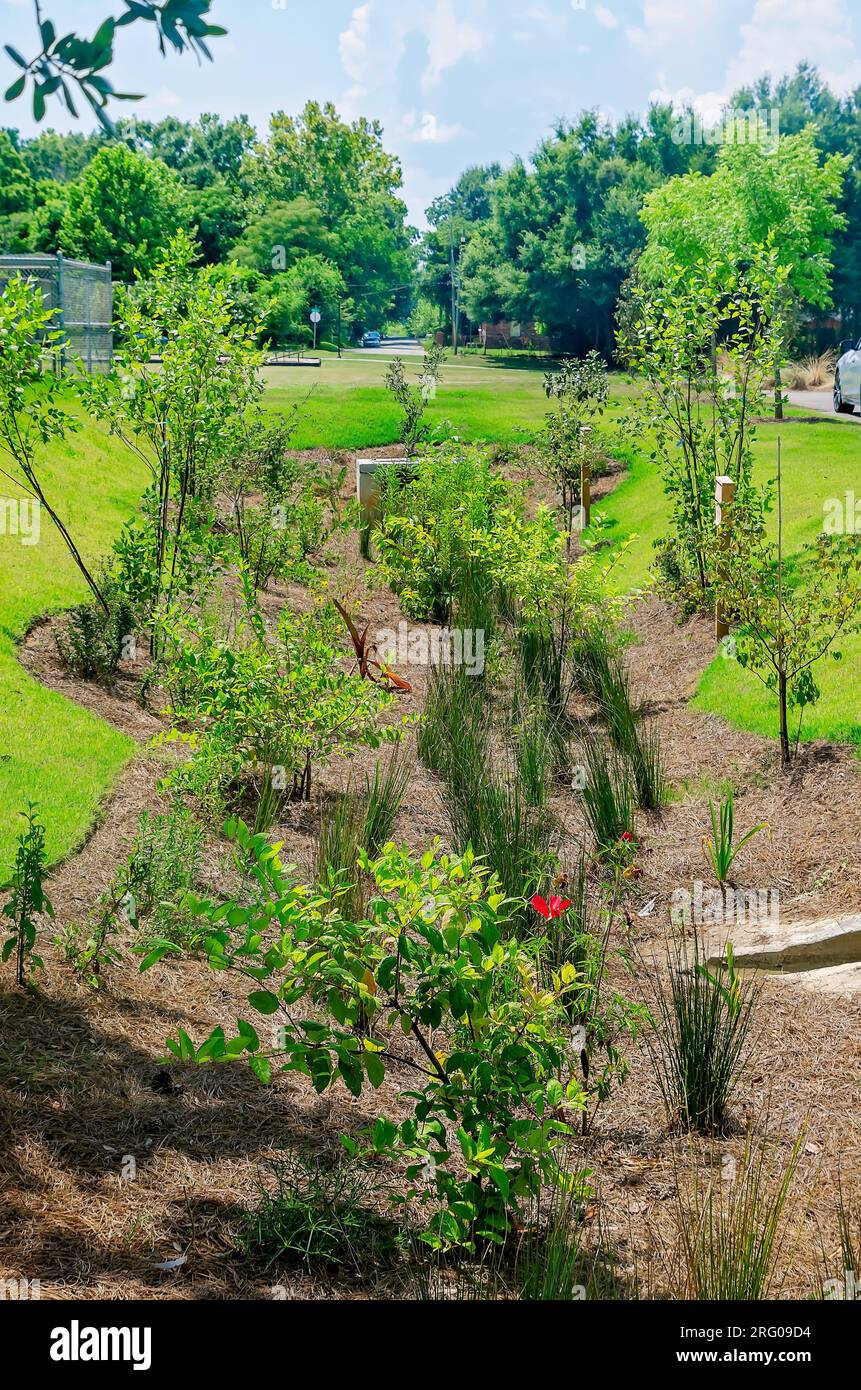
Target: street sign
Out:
[316,316]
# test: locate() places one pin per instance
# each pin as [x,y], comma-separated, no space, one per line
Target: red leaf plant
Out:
[366,662]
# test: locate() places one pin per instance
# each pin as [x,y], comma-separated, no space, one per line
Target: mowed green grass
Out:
[51,751]
[345,405]
[819,461]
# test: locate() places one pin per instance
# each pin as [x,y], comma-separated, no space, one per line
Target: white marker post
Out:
[724,494]
[316,316]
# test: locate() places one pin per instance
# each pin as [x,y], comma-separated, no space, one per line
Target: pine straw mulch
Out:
[84,1099]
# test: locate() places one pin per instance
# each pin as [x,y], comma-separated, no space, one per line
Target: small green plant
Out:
[315,1213]
[413,400]
[145,893]
[719,848]
[92,644]
[702,1022]
[28,898]
[732,1233]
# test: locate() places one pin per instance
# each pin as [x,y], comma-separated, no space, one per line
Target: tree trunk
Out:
[784,722]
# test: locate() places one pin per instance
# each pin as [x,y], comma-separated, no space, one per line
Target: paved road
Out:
[819,401]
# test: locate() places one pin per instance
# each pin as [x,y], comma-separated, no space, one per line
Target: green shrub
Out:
[433,961]
[27,898]
[92,644]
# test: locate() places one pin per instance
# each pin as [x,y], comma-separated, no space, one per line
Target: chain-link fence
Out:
[82,297]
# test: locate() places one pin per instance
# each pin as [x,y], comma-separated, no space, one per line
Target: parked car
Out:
[847,378]
[372,339]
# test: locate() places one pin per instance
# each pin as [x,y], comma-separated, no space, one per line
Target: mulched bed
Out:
[84,1100]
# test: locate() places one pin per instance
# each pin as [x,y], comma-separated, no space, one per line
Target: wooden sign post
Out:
[585,494]
[724,494]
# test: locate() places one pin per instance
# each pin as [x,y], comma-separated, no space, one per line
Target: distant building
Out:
[510,333]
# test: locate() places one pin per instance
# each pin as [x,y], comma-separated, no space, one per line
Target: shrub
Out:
[92,644]
[269,708]
[433,962]
[27,897]
[435,517]
[701,1034]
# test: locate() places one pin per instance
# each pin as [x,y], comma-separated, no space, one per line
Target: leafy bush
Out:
[264,709]
[92,644]
[436,518]
[27,898]
[431,971]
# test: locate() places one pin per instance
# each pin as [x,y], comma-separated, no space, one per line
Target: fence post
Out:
[724,494]
[585,492]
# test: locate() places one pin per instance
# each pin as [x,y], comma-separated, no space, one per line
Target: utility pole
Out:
[453,285]
[339,325]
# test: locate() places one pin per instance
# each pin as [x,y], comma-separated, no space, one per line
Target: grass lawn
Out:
[51,751]
[349,408]
[820,461]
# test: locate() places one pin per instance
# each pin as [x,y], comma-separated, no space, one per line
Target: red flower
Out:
[551,910]
[627,836]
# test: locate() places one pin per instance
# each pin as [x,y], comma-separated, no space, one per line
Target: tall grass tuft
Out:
[608,799]
[636,740]
[362,818]
[702,1020]
[490,811]
[732,1231]
[456,727]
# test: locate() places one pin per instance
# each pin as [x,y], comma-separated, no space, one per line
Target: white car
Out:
[847,378]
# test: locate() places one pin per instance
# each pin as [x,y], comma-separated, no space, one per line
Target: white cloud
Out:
[353,44]
[782,33]
[425,128]
[709,105]
[606,17]
[449,40]
[670,21]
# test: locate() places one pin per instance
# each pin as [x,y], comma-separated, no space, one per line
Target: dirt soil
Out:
[121,1177]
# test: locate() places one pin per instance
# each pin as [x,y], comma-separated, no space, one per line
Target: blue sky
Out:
[459,82]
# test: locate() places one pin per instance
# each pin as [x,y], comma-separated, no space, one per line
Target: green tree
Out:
[282,235]
[123,209]
[311,282]
[16,183]
[345,172]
